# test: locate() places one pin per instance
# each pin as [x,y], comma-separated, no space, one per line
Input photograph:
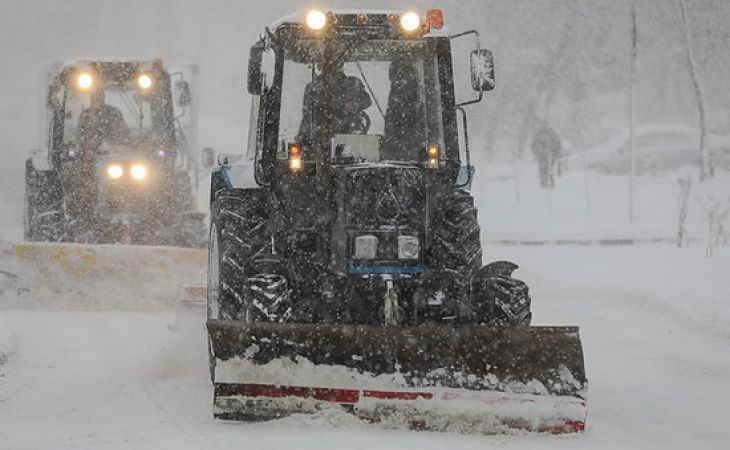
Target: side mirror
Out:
[255,59]
[184,98]
[482,70]
[207,158]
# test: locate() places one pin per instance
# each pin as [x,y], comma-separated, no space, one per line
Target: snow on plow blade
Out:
[468,379]
[107,276]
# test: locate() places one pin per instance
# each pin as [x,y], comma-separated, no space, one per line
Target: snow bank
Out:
[587,205]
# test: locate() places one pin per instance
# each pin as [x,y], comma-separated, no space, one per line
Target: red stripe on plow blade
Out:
[322,394]
[353,396]
[393,395]
[273,391]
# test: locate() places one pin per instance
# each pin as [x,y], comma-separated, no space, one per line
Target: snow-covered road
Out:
[654,322]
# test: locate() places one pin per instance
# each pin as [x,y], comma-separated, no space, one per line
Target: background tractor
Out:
[118,166]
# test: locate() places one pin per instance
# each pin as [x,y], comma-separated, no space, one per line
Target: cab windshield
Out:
[116,115]
[384,97]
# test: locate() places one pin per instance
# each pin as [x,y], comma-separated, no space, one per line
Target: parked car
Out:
[657,148]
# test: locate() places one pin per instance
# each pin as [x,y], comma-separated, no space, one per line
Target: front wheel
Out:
[500,299]
[238,233]
[43,216]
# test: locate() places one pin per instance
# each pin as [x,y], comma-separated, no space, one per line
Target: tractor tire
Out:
[269,296]
[452,255]
[498,298]
[238,233]
[455,244]
[43,217]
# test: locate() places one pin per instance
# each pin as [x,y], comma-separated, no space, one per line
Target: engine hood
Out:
[385,197]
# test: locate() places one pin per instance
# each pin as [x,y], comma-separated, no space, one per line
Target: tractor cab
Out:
[347,88]
[105,107]
[118,156]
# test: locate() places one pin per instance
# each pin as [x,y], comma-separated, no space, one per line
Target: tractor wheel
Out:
[453,254]
[269,296]
[238,233]
[455,242]
[498,298]
[43,218]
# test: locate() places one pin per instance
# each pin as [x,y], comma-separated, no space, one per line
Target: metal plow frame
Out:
[468,379]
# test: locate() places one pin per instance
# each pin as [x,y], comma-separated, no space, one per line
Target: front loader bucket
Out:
[106,276]
[449,378]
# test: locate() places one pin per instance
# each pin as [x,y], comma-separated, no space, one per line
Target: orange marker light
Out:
[432,154]
[434,19]
[295,157]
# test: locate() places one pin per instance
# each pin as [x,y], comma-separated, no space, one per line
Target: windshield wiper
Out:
[372,94]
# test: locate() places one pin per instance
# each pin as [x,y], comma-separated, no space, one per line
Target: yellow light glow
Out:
[144,81]
[138,172]
[410,21]
[433,151]
[85,80]
[114,171]
[316,19]
[295,163]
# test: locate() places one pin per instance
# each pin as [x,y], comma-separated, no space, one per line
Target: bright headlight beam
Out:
[138,172]
[114,171]
[410,21]
[144,81]
[295,163]
[316,19]
[85,80]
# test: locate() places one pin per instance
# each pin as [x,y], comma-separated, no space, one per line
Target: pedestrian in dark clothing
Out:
[547,148]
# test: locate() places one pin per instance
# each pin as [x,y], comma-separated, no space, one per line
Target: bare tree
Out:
[716,213]
[685,187]
[705,156]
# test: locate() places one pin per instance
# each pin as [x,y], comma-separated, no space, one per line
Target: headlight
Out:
[410,21]
[85,80]
[408,247]
[138,172]
[144,81]
[114,171]
[366,247]
[316,20]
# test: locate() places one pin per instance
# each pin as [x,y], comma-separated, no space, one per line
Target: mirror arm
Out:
[464,33]
[466,147]
[476,37]
[476,100]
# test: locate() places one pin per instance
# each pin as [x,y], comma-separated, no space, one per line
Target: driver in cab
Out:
[350,100]
[101,123]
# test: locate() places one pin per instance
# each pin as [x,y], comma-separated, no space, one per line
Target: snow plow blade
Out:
[468,379]
[106,276]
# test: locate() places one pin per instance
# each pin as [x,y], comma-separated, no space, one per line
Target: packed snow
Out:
[653,336]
